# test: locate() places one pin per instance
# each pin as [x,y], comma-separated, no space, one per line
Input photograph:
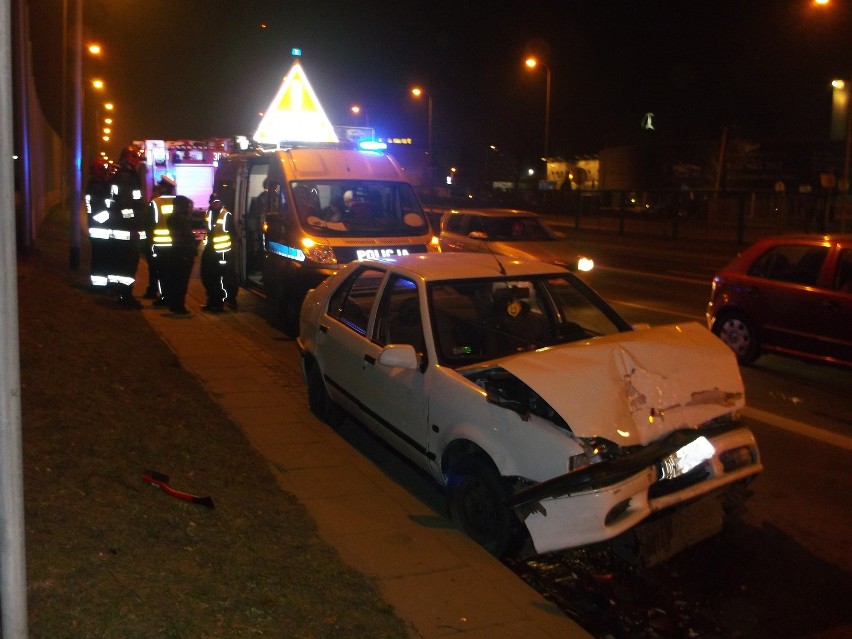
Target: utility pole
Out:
[13,586]
[77,157]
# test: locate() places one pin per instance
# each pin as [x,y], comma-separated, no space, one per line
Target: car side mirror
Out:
[478,235]
[399,356]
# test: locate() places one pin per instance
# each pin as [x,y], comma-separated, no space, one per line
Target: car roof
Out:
[493,212]
[814,238]
[445,266]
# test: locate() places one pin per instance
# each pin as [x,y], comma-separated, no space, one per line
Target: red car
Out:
[788,294]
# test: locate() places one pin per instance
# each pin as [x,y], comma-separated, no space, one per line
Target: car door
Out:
[342,337]
[784,295]
[396,398]
[452,236]
[832,309]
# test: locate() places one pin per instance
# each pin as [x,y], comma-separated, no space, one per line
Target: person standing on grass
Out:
[180,259]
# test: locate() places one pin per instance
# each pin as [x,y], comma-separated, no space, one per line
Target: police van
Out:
[302,211]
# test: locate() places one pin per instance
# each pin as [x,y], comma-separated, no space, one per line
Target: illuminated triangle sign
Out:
[295,114]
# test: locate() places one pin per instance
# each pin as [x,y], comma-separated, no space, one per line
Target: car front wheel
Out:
[476,501]
[737,331]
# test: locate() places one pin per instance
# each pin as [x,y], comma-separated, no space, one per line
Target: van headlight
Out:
[319,253]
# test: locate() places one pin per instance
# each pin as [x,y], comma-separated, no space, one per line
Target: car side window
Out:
[843,275]
[351,303]
[476,225]
[453,224]
[398,319]
[795,263]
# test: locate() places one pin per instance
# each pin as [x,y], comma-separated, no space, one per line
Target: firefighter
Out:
[177,266]
[216,262]
[97,216]
[126,215]
[158,208]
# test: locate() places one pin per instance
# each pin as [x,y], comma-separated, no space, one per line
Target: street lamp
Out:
[532,63]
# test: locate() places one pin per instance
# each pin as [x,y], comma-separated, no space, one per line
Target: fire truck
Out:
[191,164]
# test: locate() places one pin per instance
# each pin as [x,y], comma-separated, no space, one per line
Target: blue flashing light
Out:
[295,52]
[372,145]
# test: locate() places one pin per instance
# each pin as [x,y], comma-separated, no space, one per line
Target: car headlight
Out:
[585,264]
[685,459]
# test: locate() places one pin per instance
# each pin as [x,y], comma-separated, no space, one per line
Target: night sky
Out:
[205,68]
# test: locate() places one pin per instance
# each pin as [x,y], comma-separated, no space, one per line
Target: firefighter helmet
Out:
[132,154]
[99,168]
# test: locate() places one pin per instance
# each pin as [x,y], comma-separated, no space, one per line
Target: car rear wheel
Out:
[737,331]
[476,497]
[319,402]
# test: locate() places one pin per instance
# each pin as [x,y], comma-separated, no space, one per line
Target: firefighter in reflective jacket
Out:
[158,236]
[126,219]
[216,261]
[97,216]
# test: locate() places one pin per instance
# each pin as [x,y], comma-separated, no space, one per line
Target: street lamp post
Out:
[532,63]
[417,92]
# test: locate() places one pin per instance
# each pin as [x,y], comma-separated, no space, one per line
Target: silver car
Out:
[510,232]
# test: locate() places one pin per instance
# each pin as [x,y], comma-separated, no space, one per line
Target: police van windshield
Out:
[358,208]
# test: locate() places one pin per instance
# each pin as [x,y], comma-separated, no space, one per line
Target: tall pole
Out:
[532,62]
[77,156]
[13,585]
[848,135]
[429,133]
[547,117]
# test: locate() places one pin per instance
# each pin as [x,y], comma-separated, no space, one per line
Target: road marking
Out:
[835,439]
[674,278]
[657,309]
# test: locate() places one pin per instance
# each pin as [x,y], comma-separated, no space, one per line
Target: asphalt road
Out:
[787,570]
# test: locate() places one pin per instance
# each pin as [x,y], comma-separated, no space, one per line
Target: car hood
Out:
[543,251]
[635,387]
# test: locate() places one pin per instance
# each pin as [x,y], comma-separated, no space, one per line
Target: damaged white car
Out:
[540,410]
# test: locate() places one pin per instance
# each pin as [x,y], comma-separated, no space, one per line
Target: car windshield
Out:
[478,320]
[516,229]
[361,208]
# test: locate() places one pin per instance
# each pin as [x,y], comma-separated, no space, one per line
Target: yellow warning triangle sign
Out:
[295,114]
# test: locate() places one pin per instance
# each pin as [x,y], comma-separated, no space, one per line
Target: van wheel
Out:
[319,402]
[476,497]
[737,331]
[289,307]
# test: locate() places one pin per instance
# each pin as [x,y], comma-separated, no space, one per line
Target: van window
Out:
[358,208]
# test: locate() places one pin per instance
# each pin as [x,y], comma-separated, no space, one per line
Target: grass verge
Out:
[108,555]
